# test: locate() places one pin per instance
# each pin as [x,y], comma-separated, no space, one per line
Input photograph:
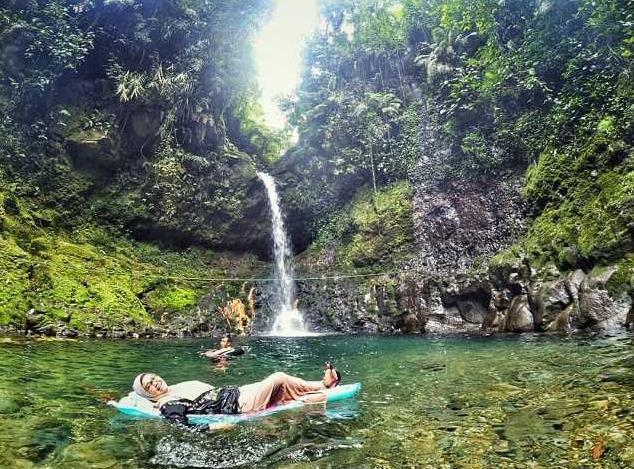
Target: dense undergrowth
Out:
[375,231]
[587,194]
[129,138]
[441,91]
[96,281]
[92,280]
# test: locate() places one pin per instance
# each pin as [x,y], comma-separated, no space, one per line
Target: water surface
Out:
[528,401]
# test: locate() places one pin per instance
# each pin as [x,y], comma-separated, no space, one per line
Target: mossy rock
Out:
[92,150]
[583,197]
[598,226]
[623,279]
[95,280]
[14,284]
[375,229]
[171,299]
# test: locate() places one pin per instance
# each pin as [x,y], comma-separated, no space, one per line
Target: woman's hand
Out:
[330,376]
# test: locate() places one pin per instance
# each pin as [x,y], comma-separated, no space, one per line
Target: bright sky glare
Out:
[278,52]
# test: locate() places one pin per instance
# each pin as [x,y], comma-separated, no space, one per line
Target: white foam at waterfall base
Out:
[289,320]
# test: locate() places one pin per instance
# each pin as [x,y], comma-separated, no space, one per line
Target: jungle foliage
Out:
[125,102]
[376,229]
[118,118]
[439,90]
[141,117]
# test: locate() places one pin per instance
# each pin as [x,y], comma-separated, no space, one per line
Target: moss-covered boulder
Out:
[184,199]
[375,230]
[93,150]
[97,282]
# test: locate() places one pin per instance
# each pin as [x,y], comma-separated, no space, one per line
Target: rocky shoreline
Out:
[506,300]
[116,334]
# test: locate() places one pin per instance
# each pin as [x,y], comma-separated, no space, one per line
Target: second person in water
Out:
[225,350]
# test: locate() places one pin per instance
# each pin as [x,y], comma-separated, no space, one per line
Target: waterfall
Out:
[289,320]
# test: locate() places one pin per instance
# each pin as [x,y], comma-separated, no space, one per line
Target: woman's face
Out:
[225,342]
[153,384]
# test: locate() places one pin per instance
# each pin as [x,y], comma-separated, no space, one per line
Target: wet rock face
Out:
[347,306]
[463,220]
[205,192]
[523,303]
[392,304]
[458,218]
[224,207]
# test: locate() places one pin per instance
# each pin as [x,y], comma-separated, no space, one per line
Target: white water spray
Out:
[289,320]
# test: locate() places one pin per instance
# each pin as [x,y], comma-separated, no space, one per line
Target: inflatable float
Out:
[134,405]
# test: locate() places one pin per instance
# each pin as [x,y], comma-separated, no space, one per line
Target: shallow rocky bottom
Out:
[516,401]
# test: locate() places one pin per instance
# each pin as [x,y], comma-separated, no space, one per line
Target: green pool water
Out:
[528,401]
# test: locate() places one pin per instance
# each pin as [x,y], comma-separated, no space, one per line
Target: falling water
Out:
[289,320]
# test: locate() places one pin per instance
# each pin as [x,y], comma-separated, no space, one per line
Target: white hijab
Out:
[138,387]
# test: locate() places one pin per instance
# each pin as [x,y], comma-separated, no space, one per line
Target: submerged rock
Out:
[101,453]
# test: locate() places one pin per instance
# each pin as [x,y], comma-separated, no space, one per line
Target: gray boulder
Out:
[501,298]
[549,300]
[561,322]
[410,323]
[448,320]
[518,317]
[472,312]
[445,319]
[573,283]
[598,309]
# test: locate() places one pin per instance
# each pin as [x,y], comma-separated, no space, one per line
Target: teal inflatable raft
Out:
[134,405]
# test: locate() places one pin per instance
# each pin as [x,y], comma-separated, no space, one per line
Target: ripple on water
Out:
[237,448]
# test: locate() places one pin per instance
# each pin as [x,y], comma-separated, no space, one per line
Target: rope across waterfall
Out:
[288,320]
[296,279]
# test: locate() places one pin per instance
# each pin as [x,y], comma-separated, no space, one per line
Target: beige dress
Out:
[279,388]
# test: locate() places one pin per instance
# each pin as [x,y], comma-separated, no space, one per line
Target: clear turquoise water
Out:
[525,401]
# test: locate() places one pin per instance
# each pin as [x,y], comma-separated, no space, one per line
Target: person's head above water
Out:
[149,385]
[225,341]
